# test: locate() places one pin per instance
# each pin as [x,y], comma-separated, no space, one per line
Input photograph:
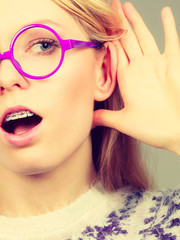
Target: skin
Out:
[56,167]
[148,81]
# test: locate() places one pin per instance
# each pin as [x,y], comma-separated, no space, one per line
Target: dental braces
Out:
[18,115]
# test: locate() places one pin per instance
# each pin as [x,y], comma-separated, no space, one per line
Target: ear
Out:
[107,69]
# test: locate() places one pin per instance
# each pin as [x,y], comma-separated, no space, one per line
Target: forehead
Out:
[19,13]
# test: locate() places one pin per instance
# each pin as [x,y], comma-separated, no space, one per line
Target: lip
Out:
[15,109]
[20,139]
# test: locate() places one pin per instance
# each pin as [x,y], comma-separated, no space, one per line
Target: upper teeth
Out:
[18,115]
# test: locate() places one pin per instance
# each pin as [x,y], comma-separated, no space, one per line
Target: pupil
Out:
[46,46]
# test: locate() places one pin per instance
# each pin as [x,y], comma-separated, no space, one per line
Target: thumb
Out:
[108,118]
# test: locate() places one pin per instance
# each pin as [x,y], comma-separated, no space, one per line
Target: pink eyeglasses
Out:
[37,51]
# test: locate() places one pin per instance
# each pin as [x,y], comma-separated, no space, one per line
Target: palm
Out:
[151,107]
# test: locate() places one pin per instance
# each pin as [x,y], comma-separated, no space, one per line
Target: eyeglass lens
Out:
[37,51]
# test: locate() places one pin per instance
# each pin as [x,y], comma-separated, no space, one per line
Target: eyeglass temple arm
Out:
[69,44]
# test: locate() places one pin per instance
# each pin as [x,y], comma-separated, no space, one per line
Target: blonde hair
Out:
[95,16]
[117,157]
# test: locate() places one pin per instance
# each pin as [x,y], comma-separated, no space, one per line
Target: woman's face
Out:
[64,100]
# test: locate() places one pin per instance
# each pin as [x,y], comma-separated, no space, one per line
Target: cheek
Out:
[69,106]
[72,92]
[77,81]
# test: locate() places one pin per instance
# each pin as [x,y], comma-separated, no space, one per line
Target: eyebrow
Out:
[61,29]
[48,22]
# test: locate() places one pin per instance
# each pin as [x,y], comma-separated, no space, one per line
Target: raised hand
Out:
[149,82]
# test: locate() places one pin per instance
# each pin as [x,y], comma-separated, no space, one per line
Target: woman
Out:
[55,182]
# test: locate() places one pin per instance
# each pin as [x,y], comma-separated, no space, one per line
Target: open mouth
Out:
[20,122]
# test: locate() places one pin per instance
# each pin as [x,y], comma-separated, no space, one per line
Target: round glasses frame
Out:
[65,45]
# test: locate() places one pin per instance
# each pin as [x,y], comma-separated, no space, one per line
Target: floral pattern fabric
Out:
[160,220]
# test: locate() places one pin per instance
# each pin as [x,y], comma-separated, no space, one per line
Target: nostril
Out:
[16,85]
[1,91]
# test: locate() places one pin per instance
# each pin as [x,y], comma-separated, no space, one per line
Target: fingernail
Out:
[166,11]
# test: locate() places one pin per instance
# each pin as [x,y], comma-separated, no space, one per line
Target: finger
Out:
[123,60]
[143,35]
[114,5]
[106,118]
[113,119]
[172,44]
[129,41]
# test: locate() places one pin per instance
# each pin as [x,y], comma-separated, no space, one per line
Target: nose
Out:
[9,76]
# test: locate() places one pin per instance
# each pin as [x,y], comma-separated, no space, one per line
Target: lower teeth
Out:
[19,133]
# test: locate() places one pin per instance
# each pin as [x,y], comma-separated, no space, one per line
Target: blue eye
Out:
[43,47]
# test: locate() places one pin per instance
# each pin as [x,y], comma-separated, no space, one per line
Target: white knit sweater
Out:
[100,215]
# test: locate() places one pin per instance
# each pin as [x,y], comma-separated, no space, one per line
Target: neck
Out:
[37,194]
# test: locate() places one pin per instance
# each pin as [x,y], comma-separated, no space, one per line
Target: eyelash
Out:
[42,41]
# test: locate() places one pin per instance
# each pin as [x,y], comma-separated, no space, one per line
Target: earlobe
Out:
[106,80]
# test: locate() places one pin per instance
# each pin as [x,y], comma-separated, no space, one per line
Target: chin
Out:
[27,166]
[29,171]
